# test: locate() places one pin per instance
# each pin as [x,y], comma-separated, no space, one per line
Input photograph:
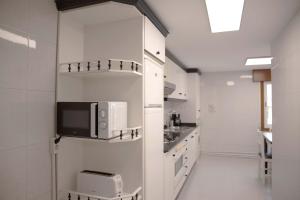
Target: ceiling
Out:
[191,41]
[101,13]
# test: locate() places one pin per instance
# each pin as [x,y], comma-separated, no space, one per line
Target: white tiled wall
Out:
[286,113]
[230,116]
[27,97]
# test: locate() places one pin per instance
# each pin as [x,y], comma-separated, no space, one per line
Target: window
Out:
[268,104]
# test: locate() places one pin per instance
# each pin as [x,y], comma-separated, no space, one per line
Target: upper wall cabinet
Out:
[154,41]
[153,83]
[176,75]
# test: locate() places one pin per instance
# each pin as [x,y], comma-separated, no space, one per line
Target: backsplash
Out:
[169,106]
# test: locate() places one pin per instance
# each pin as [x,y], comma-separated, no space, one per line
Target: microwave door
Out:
[75,119]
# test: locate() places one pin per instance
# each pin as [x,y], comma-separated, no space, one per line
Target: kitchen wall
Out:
[28,31]
[230,115]
[286,113]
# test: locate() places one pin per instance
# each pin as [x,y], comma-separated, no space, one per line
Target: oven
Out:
[180,161]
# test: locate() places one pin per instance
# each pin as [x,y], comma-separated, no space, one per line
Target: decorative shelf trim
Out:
[130,134]
[73,195]
[126,135]
[101,66]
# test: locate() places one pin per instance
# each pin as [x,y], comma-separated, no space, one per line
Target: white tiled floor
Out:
[224,178]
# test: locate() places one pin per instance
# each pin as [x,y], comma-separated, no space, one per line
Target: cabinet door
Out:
[154,41]
[169,176]
[180,78]
[154,90]
[185,86]
[154,160]
[191,151]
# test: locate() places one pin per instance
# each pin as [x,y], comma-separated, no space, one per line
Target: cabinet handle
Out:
[186,166]
[174,155]
[165,76]
[157,53]
[192,137]
[180,93]
[186,140]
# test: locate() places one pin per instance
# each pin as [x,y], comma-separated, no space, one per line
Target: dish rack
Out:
[73,195]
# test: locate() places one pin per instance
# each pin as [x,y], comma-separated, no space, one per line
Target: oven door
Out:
[77,119]
[179,166]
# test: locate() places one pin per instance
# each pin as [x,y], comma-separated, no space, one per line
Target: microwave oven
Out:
[100,183]
[103,120]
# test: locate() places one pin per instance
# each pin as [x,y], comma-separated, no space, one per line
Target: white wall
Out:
[126,36]
[27,97]
[71,40]
[286,113]
[230,116]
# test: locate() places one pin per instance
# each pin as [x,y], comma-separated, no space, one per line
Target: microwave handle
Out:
[154,106]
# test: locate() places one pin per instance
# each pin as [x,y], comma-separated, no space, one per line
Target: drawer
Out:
[154,41]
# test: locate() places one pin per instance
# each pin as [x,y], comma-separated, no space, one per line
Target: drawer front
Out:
[154,41]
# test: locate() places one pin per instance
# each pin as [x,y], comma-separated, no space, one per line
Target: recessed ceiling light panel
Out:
[224,15]
[246,76]
[230,83]
[259,61]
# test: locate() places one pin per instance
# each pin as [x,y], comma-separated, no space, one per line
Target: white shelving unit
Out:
[85,34]
[87,70]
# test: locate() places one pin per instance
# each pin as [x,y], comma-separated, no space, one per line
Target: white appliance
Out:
[104,119]
[154,135]
[112,119]
[180,161]
[100,184]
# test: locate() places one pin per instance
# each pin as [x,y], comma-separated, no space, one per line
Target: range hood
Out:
[169,88]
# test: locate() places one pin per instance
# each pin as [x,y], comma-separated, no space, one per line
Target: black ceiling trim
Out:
[141,5]
[193,70]
[144,8]
[171,56]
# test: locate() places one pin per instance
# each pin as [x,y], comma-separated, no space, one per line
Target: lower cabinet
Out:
[169,172]
[178,164]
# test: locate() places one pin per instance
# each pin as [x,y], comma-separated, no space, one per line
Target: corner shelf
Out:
[105,68]
[72,195]
[129,135]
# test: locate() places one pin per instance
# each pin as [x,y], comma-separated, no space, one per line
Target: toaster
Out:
[100,183]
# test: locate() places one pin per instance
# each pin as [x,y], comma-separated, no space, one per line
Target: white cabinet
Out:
[176,75]
[153,83]
[154,41]
[169,172]
[198,142]
[190,147]
[190,110]
[191,154]
[154,157]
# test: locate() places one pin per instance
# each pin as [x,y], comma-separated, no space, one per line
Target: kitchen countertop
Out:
[183,132]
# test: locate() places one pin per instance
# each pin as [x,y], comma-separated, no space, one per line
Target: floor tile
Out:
[224,178]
